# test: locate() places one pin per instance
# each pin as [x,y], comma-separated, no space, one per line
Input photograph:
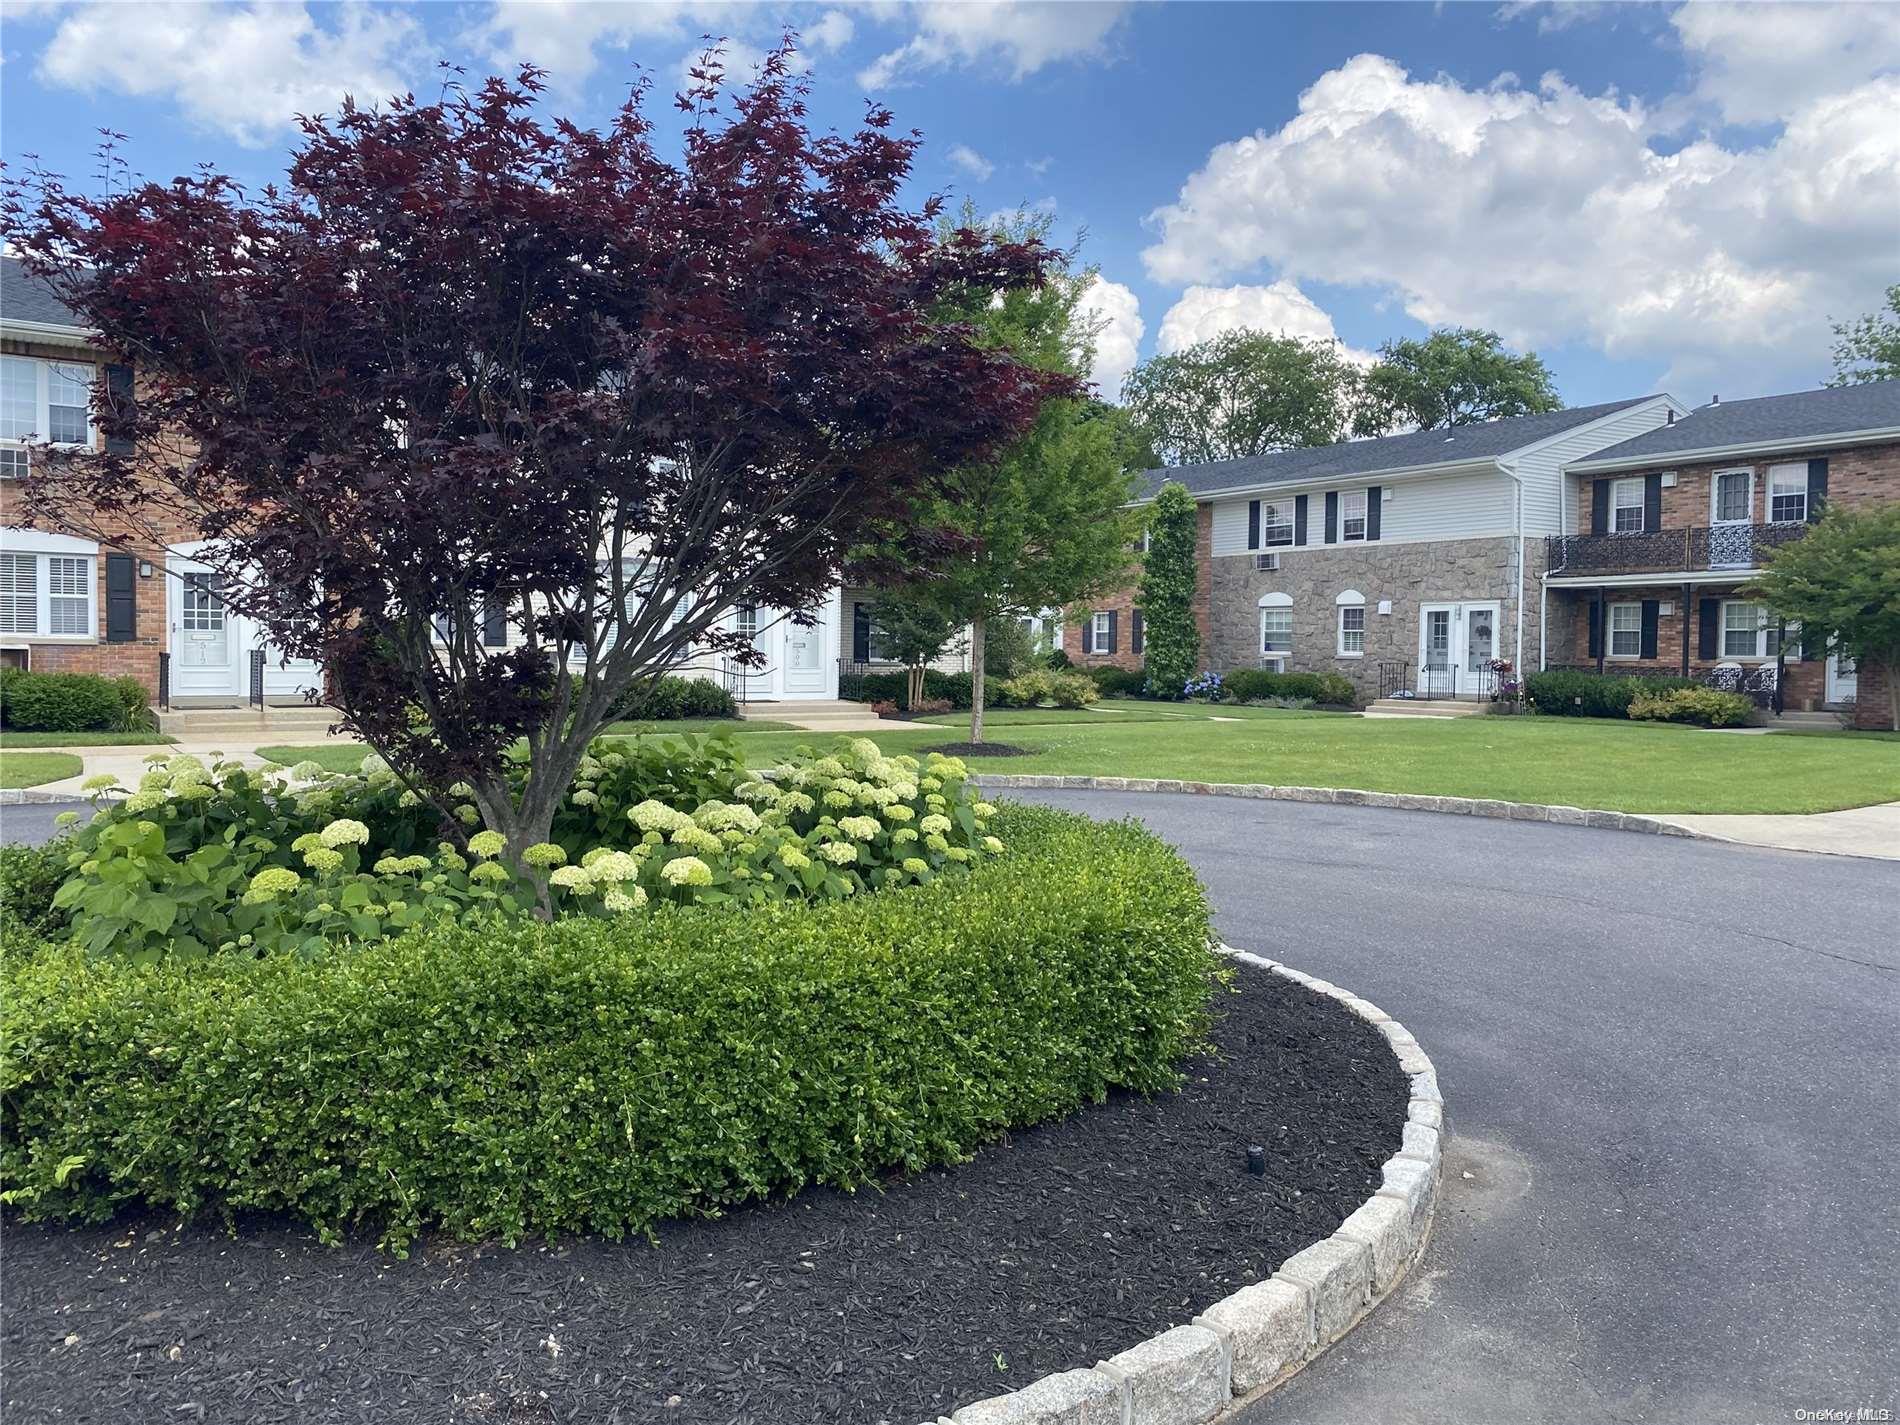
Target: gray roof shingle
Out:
[1805,415]
[24,299]
[1457,446]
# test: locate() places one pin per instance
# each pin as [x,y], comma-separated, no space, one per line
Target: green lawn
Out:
[1612,765]
[1114,712]
[331,756]
[85,739]
[348,756]
[701,724]
[31,769]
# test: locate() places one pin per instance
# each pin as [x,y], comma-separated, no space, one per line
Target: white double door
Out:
[798,660]
[1456,642]
[211,642]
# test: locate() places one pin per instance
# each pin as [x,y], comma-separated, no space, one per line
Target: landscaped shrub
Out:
[1249,685]
[670,699]
[1119,682]
[29,878]
[1572,692]
[1704,707]
[59,702]
[1208,687]
[202,860]
[500,1079]
[952,688]
[1039,686]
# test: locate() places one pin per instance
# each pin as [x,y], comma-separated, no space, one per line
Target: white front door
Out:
[804,664]
[206,657]
[1843,679]
[1456,643]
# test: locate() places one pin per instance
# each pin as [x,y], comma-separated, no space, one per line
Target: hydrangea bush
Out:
[200,859]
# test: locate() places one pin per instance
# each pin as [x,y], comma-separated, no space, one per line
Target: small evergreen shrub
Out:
[1039,686]
[670,699]
[502,1080]
[952,688]
[1114,682]
[1252,685]
[29,878]
[1573,692]
[61,702]
[1702,707]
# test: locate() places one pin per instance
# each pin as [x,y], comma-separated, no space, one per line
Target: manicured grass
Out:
[85,739]
[1609,765]
[702,724]
[348,756]
[32,769]
[331,756]
[1117,712]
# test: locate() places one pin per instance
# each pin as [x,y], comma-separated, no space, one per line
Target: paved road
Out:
[1673,1071]
[32,822]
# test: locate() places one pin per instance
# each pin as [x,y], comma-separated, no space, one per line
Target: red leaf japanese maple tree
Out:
[465,364]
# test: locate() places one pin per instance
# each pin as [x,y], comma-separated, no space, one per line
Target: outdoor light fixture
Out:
[145,568]
[1257,1161]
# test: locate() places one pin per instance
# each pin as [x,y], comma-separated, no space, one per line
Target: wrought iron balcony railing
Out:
[1692,549]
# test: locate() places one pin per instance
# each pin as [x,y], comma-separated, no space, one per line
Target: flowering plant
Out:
[1207,686]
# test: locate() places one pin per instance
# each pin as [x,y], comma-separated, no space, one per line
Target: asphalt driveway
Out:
[1673,1074]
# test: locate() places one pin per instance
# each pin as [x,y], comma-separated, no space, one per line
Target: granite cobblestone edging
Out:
[1245,1345]
[1350,796]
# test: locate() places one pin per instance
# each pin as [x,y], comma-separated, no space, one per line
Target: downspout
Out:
[1517,646]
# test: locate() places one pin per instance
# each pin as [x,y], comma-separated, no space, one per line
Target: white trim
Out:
[1339,628]
[1643,581]
[1351,598]
[1800,467]
[1766,627]
[1762,448]
[1715,493]
[1291,524]
[1098,631]
[1365,514]
[1616,503]
[43,403]
[1276,601]
[1284,606]
[53,333]
[1610,630]
[15,540]
[1316,483]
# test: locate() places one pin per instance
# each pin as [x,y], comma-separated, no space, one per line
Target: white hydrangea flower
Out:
[798,803]
[373,765]
[144,801]
[896,811]
[992,845]
[622,901]
[486,844]
[343,831]
[686,871]
[916,865]
[573,878]
[322,859]
[612,866]
[984,809]
[99,783]
[839,853]
[489,871]
[859,828]
[902,835]
[651,815]
[696,838]
[792,859]
[934,824]
[270,883]
[957,853]
[583,798]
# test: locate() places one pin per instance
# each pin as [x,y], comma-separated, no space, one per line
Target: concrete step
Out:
[1424,707]
[1805,719]
[198,723]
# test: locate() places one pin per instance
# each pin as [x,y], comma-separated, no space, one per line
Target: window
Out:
[1352,623]
[1276,630]
[1626,506]
[1748,631]
[42,400]
[1626,630]
[1276,522]
[1098,633]
[1788,493]
[1352,514]
[51,595]
[1734,492]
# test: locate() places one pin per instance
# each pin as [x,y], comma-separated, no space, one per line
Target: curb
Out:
[1351,796]
[31,796]
[1244,1346]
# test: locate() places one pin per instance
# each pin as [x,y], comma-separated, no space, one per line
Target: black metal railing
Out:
[1696,548]
[1435,679]
[165,681]
[1759,682]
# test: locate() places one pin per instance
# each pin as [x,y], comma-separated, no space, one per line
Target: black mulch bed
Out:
[981,749]
[1054,1249]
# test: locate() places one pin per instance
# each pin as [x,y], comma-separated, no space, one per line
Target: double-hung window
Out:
[1276,523]
[1626,630]
[41,400]
[1748,631]
[1276,631]
[1352,624]
[1099,633]
[48,595]
[1352,515]
[1788,493]
[1626,506]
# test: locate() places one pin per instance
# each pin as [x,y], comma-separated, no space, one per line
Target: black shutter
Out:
[495,621]
[1134,632]
[122,598]
[1596,628]
[1253,524]
[860,633]
[1299,519]
[118,396]
[1813,650]
[1113,620]
[1817,488]
[1332,516]
[1708,616]
[1373,495]
[1652,611]
[1652,503]
[1600,507]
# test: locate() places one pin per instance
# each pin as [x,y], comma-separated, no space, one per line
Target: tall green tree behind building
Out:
[1456,376]
[1868,348]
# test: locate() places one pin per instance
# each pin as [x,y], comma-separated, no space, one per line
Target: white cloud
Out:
[247,71]
[1018,36]
[1281,308]
[1555,15]
[565,37]
[1763,62]
[829,33]
[1546,214]
[967,160]
[1116,311]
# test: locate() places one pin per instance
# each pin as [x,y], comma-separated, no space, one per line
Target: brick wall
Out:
[1857,477]
[1075,620]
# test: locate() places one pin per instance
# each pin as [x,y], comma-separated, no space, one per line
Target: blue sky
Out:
[1653,197]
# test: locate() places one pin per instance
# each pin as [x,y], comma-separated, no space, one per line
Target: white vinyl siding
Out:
[1475,505]
[1546,489]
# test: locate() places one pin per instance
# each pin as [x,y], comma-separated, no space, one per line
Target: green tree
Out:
[1046,521]
[916,628]
[1868,348]
[1173,639]
[1456,376]
[1843,581]
[1242,393]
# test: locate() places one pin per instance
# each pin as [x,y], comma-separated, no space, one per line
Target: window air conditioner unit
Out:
[1267,561]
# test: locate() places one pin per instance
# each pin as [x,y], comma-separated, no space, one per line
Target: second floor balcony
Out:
[1693,549]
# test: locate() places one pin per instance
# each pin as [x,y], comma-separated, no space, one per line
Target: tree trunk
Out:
[976,681]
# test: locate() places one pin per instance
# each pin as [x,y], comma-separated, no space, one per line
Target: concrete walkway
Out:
[1860,831]
[128,763]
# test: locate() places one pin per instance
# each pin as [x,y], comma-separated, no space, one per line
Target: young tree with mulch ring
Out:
[1842,581]
[474,400]
[1172,644]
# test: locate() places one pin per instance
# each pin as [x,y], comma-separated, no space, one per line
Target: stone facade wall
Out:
[1075,620]
[1409,575]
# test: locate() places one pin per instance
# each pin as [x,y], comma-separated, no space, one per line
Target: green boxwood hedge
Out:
[71,702]
[505,1080]
[1573,692]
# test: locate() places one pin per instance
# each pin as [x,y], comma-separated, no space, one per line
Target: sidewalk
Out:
[1860,831]
[128,763]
